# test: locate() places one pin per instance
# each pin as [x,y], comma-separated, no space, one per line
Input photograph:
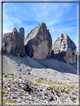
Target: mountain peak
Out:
[42,24]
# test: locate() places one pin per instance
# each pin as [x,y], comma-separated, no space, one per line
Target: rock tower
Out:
[64,49]
[38,43]
[13,43]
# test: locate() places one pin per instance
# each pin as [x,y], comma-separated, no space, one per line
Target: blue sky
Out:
[59,18]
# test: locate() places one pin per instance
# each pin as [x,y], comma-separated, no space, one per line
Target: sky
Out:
[59,18]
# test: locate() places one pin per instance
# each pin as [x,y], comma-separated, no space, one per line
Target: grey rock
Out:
[8,89]
[20,80]
[19,100]
[8,97]
[38,93]
[25,87]
[51,98]
[5,76]
[29,73]
[38,42]
[64,49]
[13,43]
[12,74]
[13,97]
[20,77]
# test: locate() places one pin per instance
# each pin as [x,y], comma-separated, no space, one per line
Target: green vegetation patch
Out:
[57,92]
[73,93]
[44,81]
[73,99]
[66,91]
[13,89]
[5,100]
[62,90]
[19,85]
[53,84]
[10,101]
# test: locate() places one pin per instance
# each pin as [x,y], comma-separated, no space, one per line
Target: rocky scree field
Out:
[22,83]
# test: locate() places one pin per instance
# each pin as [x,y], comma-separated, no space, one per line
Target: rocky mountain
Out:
[64,49]
[38,42]
[38,79]
[13,43]
[38,45]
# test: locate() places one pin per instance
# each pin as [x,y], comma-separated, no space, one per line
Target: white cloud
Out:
[7,24]
[63,29]
[16,20]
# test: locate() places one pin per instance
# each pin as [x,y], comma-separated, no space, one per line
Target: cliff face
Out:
[13,43]
[38,43]
[64,49]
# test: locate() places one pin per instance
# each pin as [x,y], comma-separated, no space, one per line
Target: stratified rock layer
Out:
[38,42]
[13,43]
[64,49]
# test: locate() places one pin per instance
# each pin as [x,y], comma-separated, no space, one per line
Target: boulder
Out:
[64,49]
[13,43]
[38,43]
